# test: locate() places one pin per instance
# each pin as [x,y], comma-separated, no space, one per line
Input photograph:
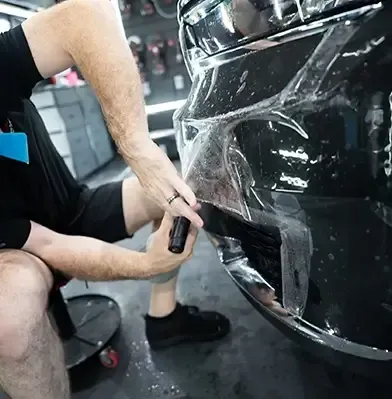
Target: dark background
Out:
[141,19]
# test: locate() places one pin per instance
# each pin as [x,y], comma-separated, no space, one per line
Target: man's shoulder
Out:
[18,72]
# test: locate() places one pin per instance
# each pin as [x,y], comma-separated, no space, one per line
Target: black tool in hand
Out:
[179,234]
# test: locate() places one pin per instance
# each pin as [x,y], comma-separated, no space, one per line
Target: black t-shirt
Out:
[43,191]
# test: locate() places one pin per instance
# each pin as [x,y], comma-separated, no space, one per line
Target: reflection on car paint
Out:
[286,141]
[246,277]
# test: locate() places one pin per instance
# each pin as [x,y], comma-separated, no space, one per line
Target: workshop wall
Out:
[152,31]
[72,113]
[76,127]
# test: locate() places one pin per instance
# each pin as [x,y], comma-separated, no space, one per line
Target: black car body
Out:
[286,139]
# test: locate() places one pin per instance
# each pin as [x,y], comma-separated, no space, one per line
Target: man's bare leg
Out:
[163,290]
[167,322]
[163,298]
[139,211]
[31,355]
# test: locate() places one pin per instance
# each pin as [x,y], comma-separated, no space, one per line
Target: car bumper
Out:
[336,350]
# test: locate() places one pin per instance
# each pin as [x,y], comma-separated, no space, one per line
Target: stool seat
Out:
[85,324]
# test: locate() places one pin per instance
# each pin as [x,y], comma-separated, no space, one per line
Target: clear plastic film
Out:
[219,173]
[208,147]
[285,199]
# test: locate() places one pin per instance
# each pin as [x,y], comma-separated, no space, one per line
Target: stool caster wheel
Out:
[109,358]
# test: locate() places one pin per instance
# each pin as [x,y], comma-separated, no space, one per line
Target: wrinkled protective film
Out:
[269,142]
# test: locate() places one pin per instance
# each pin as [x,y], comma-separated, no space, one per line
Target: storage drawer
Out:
[78,140]
[60,141]
[100,143]
[93,112]
[43,99]
[91,104]
[104,153]
[97,132]
[87,96]
[72,116]
[97,122]
[66,96]
[84,162]
[52,119]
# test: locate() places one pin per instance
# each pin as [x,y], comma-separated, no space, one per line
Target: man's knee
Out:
[25,268]
[25,282]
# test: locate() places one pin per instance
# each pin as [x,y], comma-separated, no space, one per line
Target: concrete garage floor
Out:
[255,362]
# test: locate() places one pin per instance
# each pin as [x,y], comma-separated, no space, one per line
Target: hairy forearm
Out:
[101,51]
[87,258]
[90,259]
[89,34]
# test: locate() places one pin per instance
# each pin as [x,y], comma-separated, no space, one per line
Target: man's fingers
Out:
[191,239]
[185,191]
[167,222]
[180,207]
[193,232]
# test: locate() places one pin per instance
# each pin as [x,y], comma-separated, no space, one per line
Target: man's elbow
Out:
[88,7]
[55,34]
[41,240]
[84,12]
[84,22]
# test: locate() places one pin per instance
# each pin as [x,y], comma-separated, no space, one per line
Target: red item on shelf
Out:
[72,78]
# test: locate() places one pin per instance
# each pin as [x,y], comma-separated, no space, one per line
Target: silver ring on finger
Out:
[172,198]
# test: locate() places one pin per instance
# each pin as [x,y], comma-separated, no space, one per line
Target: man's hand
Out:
[160,179]
[157,248]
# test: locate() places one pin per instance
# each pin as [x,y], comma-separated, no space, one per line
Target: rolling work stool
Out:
[85,324]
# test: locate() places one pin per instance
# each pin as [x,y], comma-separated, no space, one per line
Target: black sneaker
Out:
[185,324]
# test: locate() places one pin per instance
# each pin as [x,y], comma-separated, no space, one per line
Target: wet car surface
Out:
[286,139]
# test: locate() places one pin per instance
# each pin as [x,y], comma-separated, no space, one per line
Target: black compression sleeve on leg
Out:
[14,233]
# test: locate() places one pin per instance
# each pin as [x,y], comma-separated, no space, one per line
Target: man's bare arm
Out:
[87,33]
[83,257]
[90,259]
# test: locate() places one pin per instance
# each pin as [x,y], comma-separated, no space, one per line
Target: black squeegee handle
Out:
[179,234]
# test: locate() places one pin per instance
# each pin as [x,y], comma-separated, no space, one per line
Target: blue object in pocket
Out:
[14,146]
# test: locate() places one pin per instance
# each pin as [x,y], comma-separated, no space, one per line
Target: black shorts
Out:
[100,214]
